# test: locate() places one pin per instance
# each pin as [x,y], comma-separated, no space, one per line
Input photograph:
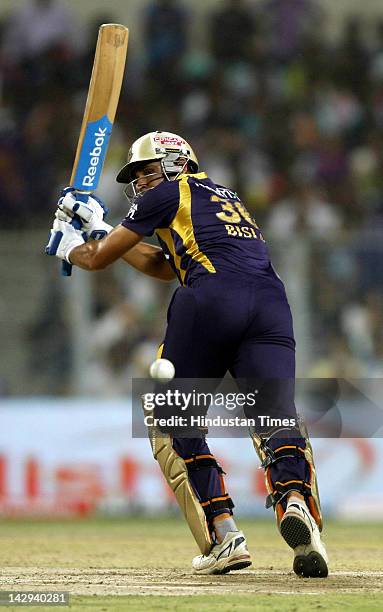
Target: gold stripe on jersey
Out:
[166,236]
[183,225]
[198,175]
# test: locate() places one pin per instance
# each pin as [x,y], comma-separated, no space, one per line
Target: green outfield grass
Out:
[208,603]
[136,564]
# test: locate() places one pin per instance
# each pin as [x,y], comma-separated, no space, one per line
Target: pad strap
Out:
[287,450]
[202,462]
[217,503]
[282,489]
[214,504]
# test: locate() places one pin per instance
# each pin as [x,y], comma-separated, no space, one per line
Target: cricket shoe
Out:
[231,554]
[301,533]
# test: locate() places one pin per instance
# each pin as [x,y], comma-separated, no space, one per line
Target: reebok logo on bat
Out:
[95,155]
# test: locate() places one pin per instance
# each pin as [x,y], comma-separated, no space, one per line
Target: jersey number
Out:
[234,213]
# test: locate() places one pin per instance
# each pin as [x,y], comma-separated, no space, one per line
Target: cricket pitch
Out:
[116,564]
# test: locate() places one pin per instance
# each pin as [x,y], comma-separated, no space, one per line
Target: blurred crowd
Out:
[273,108]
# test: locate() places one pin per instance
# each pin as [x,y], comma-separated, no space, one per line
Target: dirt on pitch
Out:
[152,557]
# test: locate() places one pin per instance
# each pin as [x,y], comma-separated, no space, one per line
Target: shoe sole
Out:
[310,566]
[296,533]
[236,564]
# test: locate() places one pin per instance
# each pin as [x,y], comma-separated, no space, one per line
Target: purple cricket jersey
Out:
[203,228]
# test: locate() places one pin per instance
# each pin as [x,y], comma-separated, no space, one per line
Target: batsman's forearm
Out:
[98,254]
[150,260]
[90,256]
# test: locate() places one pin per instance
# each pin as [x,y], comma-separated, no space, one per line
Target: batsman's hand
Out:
[63,239]
[92,213]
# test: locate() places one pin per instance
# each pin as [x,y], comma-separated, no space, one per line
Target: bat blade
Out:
[100,109]
[101,105]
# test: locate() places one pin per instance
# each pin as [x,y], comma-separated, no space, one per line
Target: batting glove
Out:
[91,213]
[63,239]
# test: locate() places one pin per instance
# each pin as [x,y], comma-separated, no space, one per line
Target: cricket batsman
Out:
[230,313]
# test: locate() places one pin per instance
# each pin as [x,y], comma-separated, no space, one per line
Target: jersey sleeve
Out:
[155,209]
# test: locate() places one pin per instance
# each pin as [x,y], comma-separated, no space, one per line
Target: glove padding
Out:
[91,213]
[63,239]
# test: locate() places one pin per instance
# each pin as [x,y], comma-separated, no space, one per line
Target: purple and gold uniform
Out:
[230,313]
[203,229]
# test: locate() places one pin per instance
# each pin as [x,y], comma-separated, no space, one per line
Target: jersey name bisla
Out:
[203,228]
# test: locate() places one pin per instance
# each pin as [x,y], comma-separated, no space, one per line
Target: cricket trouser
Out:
[244,326]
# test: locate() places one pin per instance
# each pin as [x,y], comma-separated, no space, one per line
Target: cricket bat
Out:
[100,110]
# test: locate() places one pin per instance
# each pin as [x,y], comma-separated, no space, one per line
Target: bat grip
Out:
[66,268]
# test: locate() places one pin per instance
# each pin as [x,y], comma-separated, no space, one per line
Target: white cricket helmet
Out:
[172,150]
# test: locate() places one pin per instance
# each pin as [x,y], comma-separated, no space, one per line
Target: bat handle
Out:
[66,268]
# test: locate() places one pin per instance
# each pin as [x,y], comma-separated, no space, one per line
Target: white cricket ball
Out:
[162,370]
